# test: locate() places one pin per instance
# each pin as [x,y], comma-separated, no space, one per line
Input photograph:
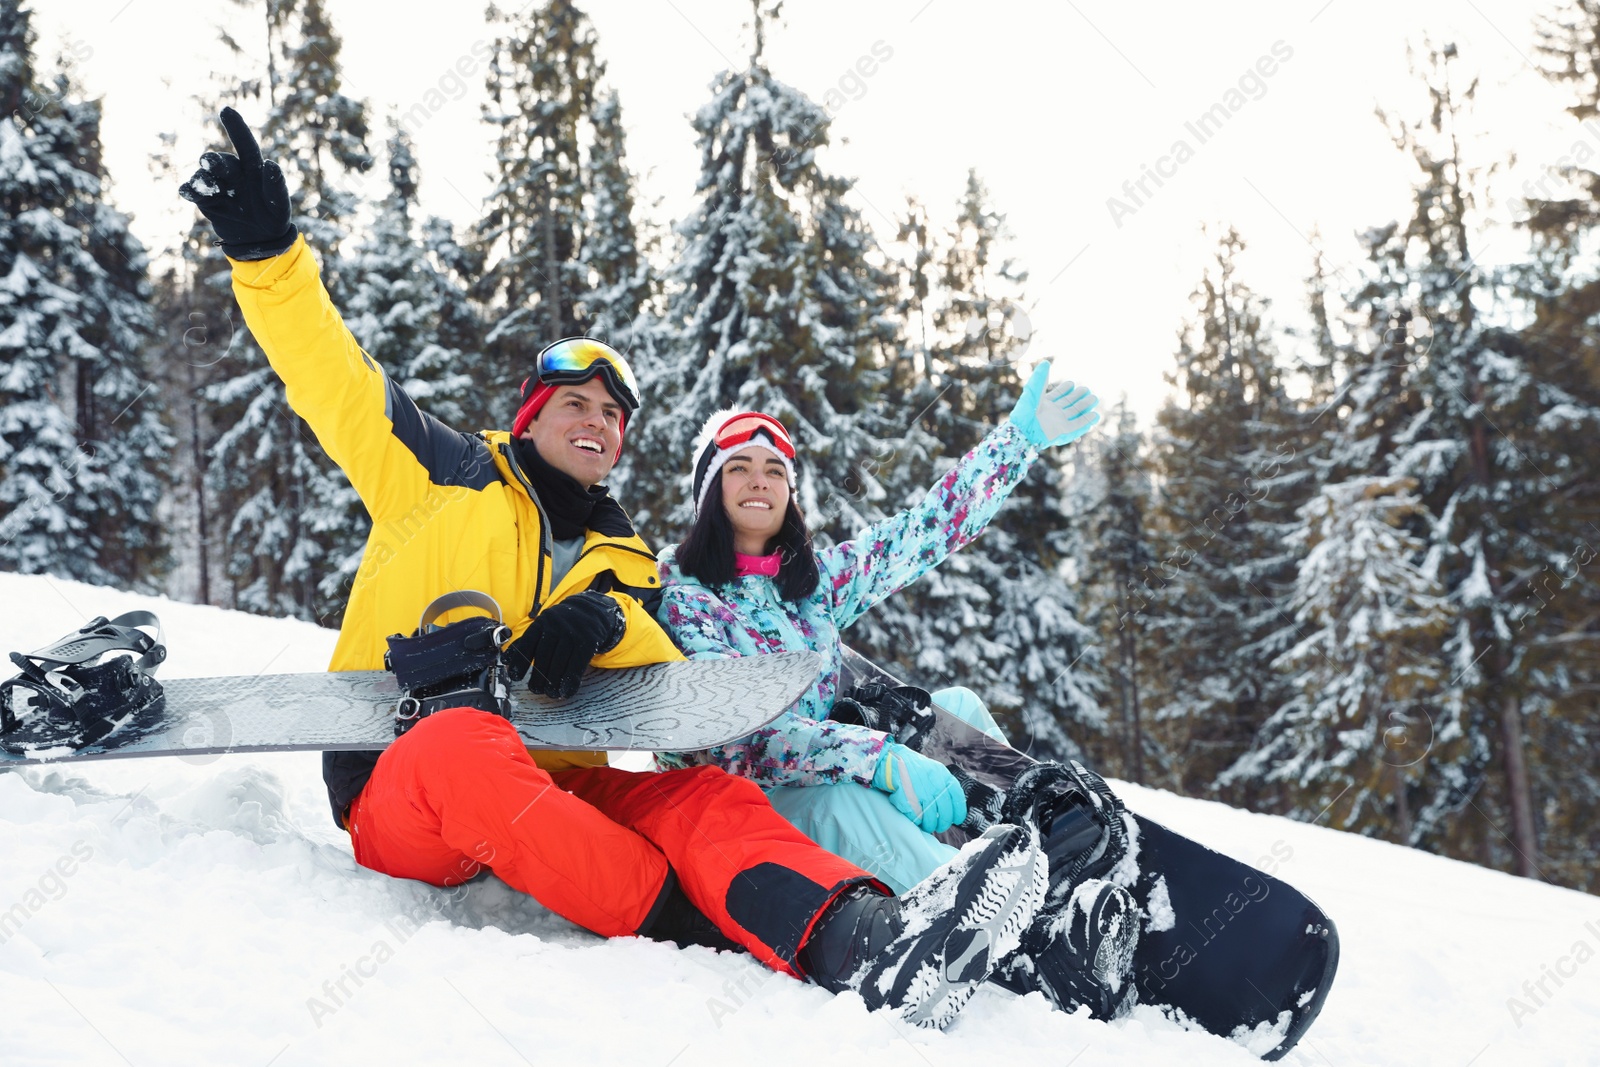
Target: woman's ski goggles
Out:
[742,427]
[574,360]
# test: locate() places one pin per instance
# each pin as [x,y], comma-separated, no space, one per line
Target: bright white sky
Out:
[1057,105]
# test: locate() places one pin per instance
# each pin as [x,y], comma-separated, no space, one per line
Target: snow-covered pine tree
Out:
[198,336]
[82,447]
[316,131]
[913,306]
[41,462]
[1561,289]
[399,297]
[1474,449]
[1496,437]
[1567,42]
[543,81]
[1500,443]
[1326,358]
[1002,616]
[1225,460]
[292,516]
[1354,740]
[776,305]
[117,406]
[1112,495]
[908,462]
[460,326]
[615,302]
[1374,397]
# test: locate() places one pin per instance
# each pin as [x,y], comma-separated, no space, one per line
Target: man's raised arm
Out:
[365,422]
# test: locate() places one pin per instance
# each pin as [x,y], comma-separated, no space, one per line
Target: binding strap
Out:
[452,665]
[461,598]
[1080,820]
[99,636]
[904,712]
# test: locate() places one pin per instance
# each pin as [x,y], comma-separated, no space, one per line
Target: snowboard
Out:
[679,706]
[1239,952]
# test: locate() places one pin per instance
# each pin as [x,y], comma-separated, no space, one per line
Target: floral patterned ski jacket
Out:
[747,618]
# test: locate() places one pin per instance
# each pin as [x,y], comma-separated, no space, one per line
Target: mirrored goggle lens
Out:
[737,431]
[579,357]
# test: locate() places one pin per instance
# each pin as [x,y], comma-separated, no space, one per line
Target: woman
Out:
[746,581]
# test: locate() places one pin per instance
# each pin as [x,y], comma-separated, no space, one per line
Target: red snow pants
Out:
[459,792]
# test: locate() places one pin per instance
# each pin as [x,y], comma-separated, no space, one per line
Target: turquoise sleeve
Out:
[894,553]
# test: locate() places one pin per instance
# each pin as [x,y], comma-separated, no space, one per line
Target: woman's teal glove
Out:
[921,789]
[1056,417]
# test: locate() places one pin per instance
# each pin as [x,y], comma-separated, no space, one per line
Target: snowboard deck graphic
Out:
[680,706]
[1240,952]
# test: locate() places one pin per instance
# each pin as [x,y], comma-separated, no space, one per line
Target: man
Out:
[692,856]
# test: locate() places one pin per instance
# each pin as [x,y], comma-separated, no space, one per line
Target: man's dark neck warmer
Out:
[570,507]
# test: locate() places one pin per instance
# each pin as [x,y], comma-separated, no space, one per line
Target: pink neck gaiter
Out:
[745,566]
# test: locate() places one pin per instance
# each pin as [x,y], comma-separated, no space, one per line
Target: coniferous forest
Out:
[1354,585]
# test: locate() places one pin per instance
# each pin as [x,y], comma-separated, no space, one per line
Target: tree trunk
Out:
[1519,794]
[1130,671]
[202,524]
[1402,807]
[552,269]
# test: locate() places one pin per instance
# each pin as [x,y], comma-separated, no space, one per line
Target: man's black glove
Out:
[563,639]
[245,200]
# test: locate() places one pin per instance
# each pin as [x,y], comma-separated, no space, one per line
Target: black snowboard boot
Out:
[1079,951]
[1081,955]
[679,921]
[925,953]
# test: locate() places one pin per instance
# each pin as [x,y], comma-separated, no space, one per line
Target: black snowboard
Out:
[1238,951]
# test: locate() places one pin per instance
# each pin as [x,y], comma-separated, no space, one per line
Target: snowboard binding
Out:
[902,711]
[66,695]
[1081,822]
[1080,950]
[1080,819]
[456,665]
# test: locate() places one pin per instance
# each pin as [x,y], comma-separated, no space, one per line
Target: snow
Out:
[207,911]
[1160,915]
[15,335]
[15,166]
[1564,417]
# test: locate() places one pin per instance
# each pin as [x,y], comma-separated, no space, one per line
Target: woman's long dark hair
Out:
[707,553]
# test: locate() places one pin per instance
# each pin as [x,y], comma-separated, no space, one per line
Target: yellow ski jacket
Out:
[449,510]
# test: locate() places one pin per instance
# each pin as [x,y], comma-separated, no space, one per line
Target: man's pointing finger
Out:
[244,142]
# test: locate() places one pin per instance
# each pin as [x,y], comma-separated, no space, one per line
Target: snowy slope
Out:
[209,912]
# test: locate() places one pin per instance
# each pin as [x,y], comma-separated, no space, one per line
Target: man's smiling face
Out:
[579,431]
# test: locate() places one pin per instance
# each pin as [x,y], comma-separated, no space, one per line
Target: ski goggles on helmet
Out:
[744,426]
[574,360]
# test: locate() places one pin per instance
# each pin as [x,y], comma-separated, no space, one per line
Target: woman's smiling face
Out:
[755,494]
